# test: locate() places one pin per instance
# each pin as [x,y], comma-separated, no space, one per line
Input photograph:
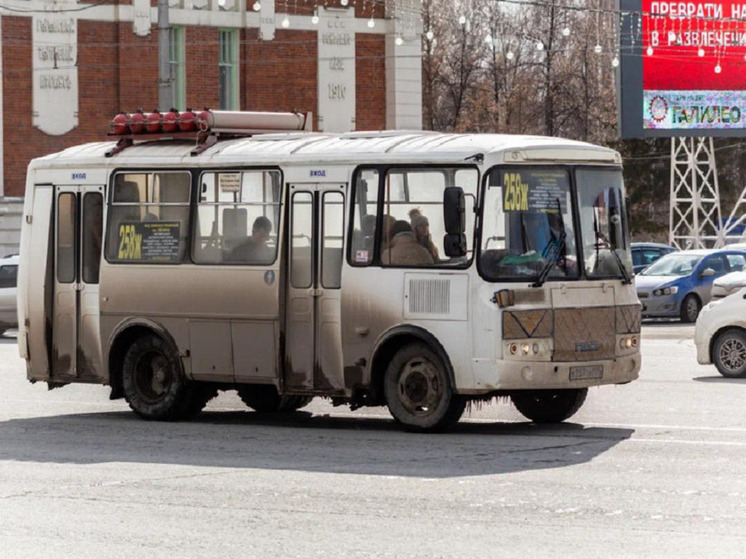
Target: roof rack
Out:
[205,127]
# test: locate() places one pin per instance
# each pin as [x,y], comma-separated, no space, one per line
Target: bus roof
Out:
[314,147]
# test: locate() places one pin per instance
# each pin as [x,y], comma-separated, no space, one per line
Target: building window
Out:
[177,61]
[228,69]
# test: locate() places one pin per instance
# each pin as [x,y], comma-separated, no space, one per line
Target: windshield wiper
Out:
[554,250]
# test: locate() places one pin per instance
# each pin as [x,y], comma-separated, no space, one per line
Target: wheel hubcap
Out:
[420,387]
[153,377]
[691,309]
[733,355]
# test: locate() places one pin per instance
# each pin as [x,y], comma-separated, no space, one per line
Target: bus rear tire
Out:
[154,384]
[549,406]
[264,398]
[418,391]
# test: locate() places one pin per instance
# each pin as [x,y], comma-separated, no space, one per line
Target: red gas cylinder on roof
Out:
[137,122]
[170,120]
[153,121]
[119,124]
[204,119]
[187,121]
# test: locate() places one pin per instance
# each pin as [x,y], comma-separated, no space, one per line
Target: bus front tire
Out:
[418,390]
[263,398]
[154,384]
[549,406]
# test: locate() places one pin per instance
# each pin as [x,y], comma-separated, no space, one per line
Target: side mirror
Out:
[454,217]
[454,210]
[455,244]
[707,273]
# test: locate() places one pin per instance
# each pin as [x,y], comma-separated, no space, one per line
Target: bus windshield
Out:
[603,223]
[529,232]
[527,225]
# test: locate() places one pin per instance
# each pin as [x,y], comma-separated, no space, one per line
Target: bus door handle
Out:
[78,287]
[315,292]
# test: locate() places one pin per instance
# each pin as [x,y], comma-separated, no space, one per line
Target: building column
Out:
[404,66]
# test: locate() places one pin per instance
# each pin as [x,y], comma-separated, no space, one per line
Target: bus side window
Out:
[364,219]
[414,224]
[148,217]
[237,218]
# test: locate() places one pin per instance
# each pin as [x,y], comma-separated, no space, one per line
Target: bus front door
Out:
[78,226]
[313,340]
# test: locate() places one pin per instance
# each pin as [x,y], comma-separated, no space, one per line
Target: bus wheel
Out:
[418,390]
[265,399]
[549,406]
[154,385]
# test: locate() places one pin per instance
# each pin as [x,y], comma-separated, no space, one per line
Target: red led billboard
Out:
[693,65]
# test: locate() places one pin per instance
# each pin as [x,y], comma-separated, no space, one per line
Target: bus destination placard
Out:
[535,191]
[150,241]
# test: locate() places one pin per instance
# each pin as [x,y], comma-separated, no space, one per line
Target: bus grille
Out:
[584,334]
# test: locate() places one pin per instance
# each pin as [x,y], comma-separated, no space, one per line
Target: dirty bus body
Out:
[291,265]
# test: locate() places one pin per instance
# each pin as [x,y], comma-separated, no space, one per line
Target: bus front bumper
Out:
[532,375]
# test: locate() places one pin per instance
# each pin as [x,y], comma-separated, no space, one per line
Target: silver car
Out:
[8,306]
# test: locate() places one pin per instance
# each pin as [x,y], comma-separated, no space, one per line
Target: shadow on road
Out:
[720,379]
[304,442]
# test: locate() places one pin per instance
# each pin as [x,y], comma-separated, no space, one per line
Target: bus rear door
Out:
[76,351]
[313,337]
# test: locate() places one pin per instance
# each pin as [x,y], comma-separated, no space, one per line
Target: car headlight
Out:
[666,291]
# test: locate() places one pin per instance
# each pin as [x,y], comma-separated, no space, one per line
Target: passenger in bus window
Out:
[255,249]
[388,225]
[404,249]
[421,227]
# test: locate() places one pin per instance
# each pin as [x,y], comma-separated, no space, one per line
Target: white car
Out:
[8,306]
[720,335]
[728,284]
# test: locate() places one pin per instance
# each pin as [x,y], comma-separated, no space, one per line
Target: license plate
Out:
[587,372]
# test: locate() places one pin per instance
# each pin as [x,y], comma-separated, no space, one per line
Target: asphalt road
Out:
[651,469]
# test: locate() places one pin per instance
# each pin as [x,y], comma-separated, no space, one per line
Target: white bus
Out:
[414,270]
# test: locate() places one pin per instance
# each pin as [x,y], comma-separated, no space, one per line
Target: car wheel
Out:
[549,406]
[729,353]
[690,308]
[418,390]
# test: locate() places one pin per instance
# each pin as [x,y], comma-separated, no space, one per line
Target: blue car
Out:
[644,254]
[679,284]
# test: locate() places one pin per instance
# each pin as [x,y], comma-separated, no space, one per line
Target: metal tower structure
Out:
[695,198]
